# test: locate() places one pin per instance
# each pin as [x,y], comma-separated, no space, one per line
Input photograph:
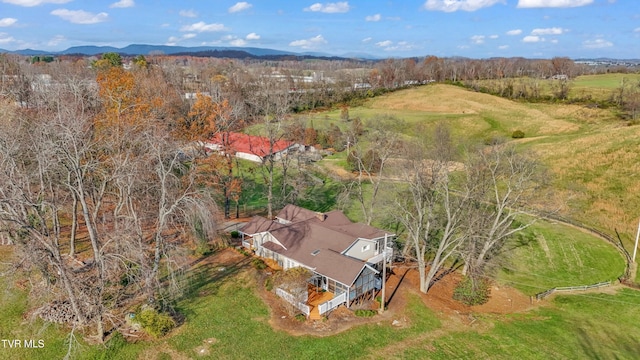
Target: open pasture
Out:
[592,155]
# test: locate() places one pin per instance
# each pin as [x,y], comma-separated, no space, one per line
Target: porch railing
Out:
[291,300]
[332,304]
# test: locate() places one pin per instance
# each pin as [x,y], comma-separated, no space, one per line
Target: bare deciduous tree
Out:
[507,183]
[427,207]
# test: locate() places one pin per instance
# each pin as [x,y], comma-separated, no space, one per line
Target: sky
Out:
[381,28]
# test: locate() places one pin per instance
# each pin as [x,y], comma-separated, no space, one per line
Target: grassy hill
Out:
[592,155]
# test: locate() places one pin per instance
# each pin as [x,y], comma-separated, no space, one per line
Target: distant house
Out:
[249,147]
[194,95]
[560,77]
[345,258]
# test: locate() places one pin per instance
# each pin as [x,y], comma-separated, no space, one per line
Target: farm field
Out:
[592,156]
[600,86]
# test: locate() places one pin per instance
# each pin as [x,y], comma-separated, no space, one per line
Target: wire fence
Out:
[626,276]
[544,294]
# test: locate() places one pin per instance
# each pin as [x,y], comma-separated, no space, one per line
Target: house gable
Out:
[362,249]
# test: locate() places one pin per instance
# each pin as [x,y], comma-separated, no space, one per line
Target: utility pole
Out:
[384,275]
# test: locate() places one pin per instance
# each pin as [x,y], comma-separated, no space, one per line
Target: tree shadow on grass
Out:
[206,275]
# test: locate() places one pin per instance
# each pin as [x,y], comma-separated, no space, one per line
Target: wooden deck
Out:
[317,297]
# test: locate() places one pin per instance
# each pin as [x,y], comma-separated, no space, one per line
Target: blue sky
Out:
[384,28]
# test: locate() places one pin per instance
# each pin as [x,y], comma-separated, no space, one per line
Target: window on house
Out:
[366,248]
[315,252]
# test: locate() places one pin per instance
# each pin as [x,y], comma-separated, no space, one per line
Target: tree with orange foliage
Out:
[208,119]
[121,103]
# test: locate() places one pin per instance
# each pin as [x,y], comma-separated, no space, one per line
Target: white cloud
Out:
[548,31]
[188,13]
[389,45]
[375,17]
[532,39]
[597,44]
[203,27]
[241,6]
[309,43]
[330,8]
[503,47]
[174,40]
[80,16]
[56,40]
[30,3]
[478,39]
[253,36]
[7,22]
[493,36]
[637,30]
[514,32]
[455,5]
[367,39]
[6,39]
[238,42]
[552,3]
[123,4]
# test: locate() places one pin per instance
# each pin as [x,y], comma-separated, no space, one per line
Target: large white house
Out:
[345,258]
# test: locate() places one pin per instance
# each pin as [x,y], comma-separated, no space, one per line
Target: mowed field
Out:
[600,87]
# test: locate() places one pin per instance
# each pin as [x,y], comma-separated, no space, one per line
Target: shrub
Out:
[493,140]
[365,313]
[301,317]
[370,161]
[268,284]
[518,134]
[154,322]
[259,264]
[472,291]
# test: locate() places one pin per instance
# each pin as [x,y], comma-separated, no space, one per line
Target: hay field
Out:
[478,114]
[594,157]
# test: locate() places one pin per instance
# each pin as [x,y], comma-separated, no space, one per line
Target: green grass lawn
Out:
[548,255]
[601,86]
[588,326]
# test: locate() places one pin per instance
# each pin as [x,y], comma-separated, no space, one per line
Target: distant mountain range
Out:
[212,51]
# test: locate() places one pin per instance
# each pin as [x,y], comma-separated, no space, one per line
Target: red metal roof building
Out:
[249,147]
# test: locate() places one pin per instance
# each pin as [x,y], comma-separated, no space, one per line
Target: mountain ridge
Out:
[148,49]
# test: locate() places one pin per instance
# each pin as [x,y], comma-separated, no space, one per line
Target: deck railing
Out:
[291,300]
[386,254]
[332,304]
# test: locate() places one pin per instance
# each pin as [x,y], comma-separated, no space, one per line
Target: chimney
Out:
[321,216]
